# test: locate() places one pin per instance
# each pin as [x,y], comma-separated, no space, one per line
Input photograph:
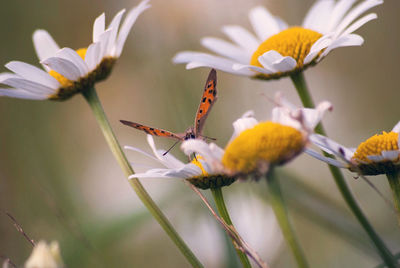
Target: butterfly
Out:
[207,101]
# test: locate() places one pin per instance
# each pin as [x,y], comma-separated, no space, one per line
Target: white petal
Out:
[114,26]
[328,160]
[197,59]
[44,44]
[7,75]
[71,55]
[375,158]
[318,16]
[28,85]
[226,49]
[33,73]
[319,45]
[242,37]
[338,12]
[331,147]
[21,94]
[390,155]
[140,151]
[344,41]
[202,148]
[103,42]
[396,128]
[263,22]
[166,160]
[251,69]
[281,23]
[275,62]
[354,13]
[128,23]
[92,57]
[313,116]
[64,67]
[241,125]
[99,27]
[356,25]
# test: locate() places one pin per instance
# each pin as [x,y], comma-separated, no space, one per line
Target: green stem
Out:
[94,102]
[223,212]
[301,87]
[394,183]
[279,207]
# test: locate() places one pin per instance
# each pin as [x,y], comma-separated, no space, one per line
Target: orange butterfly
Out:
[207,100]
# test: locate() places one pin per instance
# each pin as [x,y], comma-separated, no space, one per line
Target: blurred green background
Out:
[60,181]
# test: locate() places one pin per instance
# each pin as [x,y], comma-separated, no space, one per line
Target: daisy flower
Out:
[45,255]
[379,154]
[253,147]
[66,71]
[278,50]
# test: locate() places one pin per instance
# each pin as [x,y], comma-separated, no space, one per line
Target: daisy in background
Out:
[66,71]
[379,154]
[278,50]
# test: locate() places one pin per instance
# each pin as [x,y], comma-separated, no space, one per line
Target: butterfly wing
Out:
[153,131]
[206,103]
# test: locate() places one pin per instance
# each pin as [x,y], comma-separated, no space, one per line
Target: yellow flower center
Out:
[375,145]
[266,143]
[295,42]
[64,81]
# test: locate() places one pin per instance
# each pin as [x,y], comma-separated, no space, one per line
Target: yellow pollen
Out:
[375,145]
[295,42]
[64,81]
[267,142]
[198,163]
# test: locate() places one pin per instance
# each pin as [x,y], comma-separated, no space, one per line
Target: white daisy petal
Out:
[344,41]
[250,69]
[376,158]
[128,23]
[319,45]
[390,155]
[200,147]
[312,117]
[44,44]
[33,73]
[21,94]
[242,37]
[275,62]
[166,160]
[281,23]
[99,27]
[29,86]
[331,147]
[103,41]
[354,13]
[338,12]
[396,128]
[140,151]
[7,75]
[226,49]
[356,25]
[64,67]
[263,22]
[114,25]
[92,57]
[71,55]
[328,160]
[318,16]
[242,124]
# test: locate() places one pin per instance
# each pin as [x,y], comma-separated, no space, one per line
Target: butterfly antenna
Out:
[171,147]
[378,192]
[206,137]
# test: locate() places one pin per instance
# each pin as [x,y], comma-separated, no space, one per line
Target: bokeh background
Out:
[60,181]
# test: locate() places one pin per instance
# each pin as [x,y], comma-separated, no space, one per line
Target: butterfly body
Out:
[207,100]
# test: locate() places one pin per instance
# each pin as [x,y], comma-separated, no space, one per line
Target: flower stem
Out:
[301,87]
[94,103]
[394,183]
[223,212]
[278,204]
